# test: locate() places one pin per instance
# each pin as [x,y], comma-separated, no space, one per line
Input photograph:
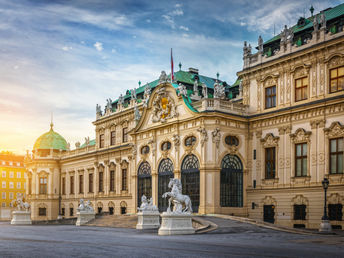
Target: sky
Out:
[64,57]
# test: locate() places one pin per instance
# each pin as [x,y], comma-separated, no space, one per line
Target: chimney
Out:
[193,70]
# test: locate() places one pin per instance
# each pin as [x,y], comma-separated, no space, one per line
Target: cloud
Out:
[98,46]
[177,12]
[66,48]
[169,20]
[184,28]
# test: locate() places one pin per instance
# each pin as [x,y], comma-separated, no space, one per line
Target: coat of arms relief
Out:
[164,107]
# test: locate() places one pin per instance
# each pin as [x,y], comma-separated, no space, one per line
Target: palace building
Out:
[259,148]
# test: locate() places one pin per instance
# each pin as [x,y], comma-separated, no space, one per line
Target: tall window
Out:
[42,211]
[335,211]
[43,185]
[270,97]
[301,159]
[30,185]
[124,179]
[336,156]
[125,134]
[299,212]
[90,183]
[301,86]
[113,137]
[270,163]
[101,141]
[71,212]
[337,79]
[63,185]
[101,182]
[81,184]
[71,185]
[112,181]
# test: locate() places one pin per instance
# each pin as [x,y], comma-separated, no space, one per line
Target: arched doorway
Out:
[231,182]
[165,173]
[144,182]
[190,179]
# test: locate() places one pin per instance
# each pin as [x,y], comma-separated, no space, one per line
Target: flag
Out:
[172,74]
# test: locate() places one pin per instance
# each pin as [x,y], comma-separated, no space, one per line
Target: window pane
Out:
[298,167]
[304,149]
[333,85]
[298,150]
[333,163]
[340,83]
[274,101]
[298,94]
[340,144]
[304,167]
[305,81]
[274,89]
[333,145]
[304,91]
[333,73]
[298,83]
[341,71]
[340,164]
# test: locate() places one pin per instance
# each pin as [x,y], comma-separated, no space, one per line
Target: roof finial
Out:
[217,75]
[312,10]
[139,83]
[51,122]
[180,66]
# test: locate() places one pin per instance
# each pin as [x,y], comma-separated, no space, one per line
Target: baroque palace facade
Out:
[258,148]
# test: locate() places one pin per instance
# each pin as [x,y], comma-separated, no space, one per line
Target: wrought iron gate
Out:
[165,173]
[144,182]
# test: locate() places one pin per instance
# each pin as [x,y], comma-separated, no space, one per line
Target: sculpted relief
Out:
[164,107]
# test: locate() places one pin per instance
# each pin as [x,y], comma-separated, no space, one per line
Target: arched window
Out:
[190,179]
[165,146]
[144,181]
[43,182]
[190,141]
[231,182]
[232,140]
[145,149]
[165,173]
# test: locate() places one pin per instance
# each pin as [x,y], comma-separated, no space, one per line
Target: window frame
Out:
[43,186]
[112,137]
[336,78]
[337,153]
[300,214]
[268,174]
[268,98]
[301,88]
[90,182]
[124,179]
[125,134]
[101,181]
[81,184]
[302,157]
[71,185]
[112,180]
[101,140]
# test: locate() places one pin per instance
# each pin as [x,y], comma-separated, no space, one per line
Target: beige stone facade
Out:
[108,173]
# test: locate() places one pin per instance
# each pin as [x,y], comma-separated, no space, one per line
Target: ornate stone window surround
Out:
[299,200]
[232,149]
[300,136]
[191,148]
[269,141]
[299,72]
[267,82]
[336,130]
[334,61]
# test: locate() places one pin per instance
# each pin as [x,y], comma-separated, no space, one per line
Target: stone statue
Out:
[195,87]
[315,23]
[245,49]
[81,205]
[204,135]
[77,145]
[98,110]
[134,149]
[219,91]
[204,90]
[146,95]
[216,136]
[88,206]
[182,90]
[147,204]
[260,44]
[109,104]
[21,205]
[323,20]
[133,94]
[121,100]
[177,198]
[87,140]
[85,207]
[137,114]
[176,140]
[163,77]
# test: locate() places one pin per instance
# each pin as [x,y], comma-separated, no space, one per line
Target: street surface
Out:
[231,239]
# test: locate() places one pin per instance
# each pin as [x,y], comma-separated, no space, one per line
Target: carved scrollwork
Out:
[335,130]
[336,61]
[164,107]
[335,198]
[270,140]
[300,135]
[268,200]
[299,200]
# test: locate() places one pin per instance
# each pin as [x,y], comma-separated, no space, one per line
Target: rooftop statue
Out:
[260,44]
[120,99]
[21,205]
[133,94]
[163,77]
[204,90]
[147,204]
[178,199]
[87,140]
[137,114]
[219,91]
[182,90]
[99,110]
[195,87]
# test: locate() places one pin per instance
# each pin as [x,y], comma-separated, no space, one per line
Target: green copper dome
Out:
[50,140]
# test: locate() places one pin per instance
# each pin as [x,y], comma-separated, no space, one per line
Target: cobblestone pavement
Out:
[230,239]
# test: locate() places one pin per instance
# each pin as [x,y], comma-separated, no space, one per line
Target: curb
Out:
[207,226]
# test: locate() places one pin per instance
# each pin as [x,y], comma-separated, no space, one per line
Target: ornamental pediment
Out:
[163,107]
[300,135]
[270,140]
[335,130]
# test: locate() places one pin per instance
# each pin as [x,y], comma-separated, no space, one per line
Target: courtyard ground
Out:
[230,239]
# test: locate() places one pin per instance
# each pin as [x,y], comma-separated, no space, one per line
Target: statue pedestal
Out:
[83,217]
[176,224]
[21,218]
[325,226]
[148,220]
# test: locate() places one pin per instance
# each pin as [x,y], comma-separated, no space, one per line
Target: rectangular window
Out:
[3,184]
[335,211]
[101,141]
[71,212]
[101,181]
[112,181]
[125,134]
[81,184]
[11,174]
[42,212]
[113,137]
[63,185]
[299,212]
[270,163]
[11,185]
[63,211]
[71,185]
[18,185]
[270,97]
[336,156]
[90,183]
[301,159]
[124,179]
[337,79]
[301,89]
[18,175]
[11,196]
[3,195]
[3,173]
[43,185]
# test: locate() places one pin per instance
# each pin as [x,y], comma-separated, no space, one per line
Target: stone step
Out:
[116,221]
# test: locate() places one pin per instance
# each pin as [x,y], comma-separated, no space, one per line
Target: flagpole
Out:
[172,74]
